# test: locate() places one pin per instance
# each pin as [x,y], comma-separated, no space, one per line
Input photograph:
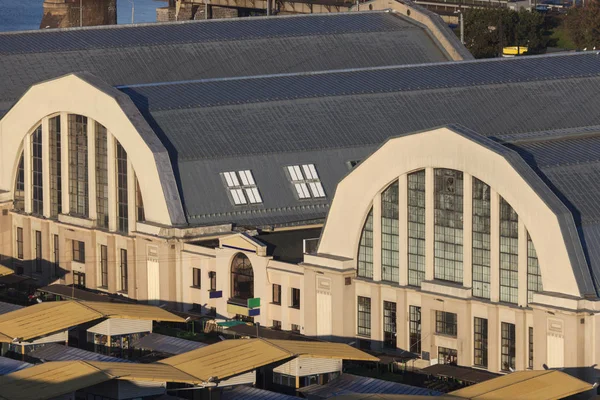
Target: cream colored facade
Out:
[162,252]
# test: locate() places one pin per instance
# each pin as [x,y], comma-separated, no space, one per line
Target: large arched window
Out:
[242,278]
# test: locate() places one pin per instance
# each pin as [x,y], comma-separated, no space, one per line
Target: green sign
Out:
[254,303]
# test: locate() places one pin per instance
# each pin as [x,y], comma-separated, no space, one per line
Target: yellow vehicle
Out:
[513,51]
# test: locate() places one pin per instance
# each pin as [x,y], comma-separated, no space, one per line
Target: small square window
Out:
[277,325]
[242,187]
[295,298]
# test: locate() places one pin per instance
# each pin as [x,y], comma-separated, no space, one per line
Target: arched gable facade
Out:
[87,97]
[541,216]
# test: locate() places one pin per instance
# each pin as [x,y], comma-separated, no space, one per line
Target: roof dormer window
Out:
[242,187]
[306,181]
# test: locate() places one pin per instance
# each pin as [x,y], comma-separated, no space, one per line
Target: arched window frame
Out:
[242,274]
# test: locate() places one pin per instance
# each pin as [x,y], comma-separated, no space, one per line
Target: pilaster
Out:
[64,161]
[28,171]
[112,182]
[429,224]
[46,165]
[467,230]
[91,144]
[494,245]
[403,228]
[377,237]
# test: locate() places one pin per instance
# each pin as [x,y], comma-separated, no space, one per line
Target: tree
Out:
[583,25]
[487,31]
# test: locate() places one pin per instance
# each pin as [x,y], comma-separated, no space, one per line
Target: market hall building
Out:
[446,208]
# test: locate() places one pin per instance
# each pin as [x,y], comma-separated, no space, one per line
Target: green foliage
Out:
[487,31]
[583,25]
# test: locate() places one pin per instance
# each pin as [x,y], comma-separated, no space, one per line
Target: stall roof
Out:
[4,270]
[379,396]
[50,317]
[8,365]
[70,293]
[466,374]
[8,307]
[249,393]
[521,385]
[53,379]
[354,384]
[60,352]
[232,357]
[166,344]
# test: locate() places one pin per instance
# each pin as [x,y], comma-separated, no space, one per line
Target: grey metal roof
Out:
[8,307]
[59,352]
[244,392]
[348,384]
[329,118]
[215,48]
[8,365]
[166,344]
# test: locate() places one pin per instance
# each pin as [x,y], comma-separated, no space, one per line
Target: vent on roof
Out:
[242,187]
[306,181]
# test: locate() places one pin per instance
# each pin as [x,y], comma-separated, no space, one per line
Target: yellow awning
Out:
[323,350]
[56,316]
[232,357]
[4,270]
[525,385]
[52,379]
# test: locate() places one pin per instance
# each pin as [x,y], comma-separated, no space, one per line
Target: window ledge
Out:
[364,336]
[446,335]
[195,287]
[275,304]
[446,288]
[123,293]
[295,308]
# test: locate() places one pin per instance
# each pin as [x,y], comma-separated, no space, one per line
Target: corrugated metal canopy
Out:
[50,317]
[59,352]
[350,384]
[5,270]
[45,381]
[232,357]
[524,385]
[8,365]
[166,344]
[52,379]
[249,393]
[228,358]
[322,350]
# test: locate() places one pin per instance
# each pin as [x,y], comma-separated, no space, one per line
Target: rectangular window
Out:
[19,203]
[448,219]
[56,256]
[20,243]
[416,228]
[55,167]
[389,324]
[196,277]
[37,184]
[508,344]
[364,316]
[242,187]
[122,205]
[295,328]
[78,251]
[103,266]
[276,294]
[534,276]
[415,329]
[101,176]
[390,234]
[38,252]
[276,325]
[445,323]
[480,354]
[295,298]
[212,276]
[306,181]
[447,356]
[124,271]
[79,279]
[139,203]
[365,249]
[531,347]
[481,239]
[78,165]
[509,253]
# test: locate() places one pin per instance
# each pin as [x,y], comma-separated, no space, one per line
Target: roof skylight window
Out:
[306,181]
[242,187]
